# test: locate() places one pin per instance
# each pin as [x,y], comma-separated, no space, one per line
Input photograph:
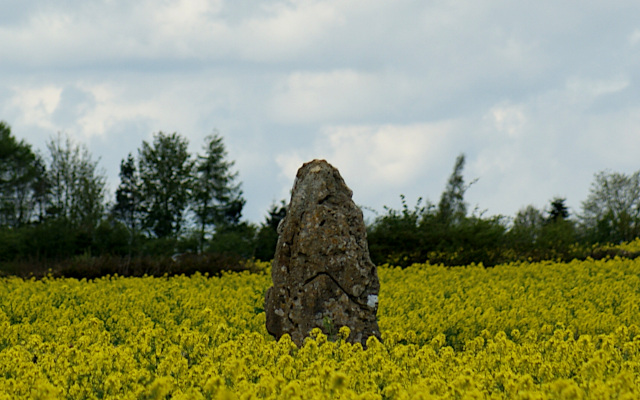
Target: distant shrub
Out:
[88,267]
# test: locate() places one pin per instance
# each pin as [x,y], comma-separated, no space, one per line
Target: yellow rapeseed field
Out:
[527,331]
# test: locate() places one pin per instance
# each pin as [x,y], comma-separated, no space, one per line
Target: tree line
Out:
[175,212]
[447,233]
[54,207]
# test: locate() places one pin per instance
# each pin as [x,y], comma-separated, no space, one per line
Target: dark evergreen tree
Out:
[267,237]
[452,208]
[41,189]
[127,208]
[275,215]
[217,200]
[166,170]
[558,210]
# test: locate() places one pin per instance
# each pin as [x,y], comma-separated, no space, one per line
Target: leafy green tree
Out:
[216,199]
[558,231]
[11,244]
[111,237]
[166,170]
[525,231]
[442,234]
[395,237]
[611,212]
[77,187]
[476,240]
[20,174]
[237,239]
[529,220]
[544,235]
[53,239]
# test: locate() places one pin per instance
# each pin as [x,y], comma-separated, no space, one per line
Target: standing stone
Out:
[322,274]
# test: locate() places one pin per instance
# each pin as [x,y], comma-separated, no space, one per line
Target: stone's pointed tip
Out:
[317,161]
[313,166]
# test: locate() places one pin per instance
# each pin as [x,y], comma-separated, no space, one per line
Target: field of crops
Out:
[529,331]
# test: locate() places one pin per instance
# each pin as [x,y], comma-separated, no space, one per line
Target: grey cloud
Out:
[14,12]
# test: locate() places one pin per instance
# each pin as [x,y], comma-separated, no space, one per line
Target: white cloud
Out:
[35,105]
[39,105]
[102,32]
[113,106]
[509,119]
[586,90]
[286,29]
[312,97]
[181,15]
[93,107]
[187,28]
[377,162]
[341,96]
[388,155]
[289,163]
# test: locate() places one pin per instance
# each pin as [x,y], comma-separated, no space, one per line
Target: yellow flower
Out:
[529,330]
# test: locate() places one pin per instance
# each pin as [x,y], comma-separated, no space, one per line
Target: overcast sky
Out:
[539,95]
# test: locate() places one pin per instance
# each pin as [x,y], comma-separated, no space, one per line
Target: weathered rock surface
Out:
[322,274]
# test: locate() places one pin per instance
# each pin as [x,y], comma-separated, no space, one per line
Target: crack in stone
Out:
[293,324]
[350,296]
